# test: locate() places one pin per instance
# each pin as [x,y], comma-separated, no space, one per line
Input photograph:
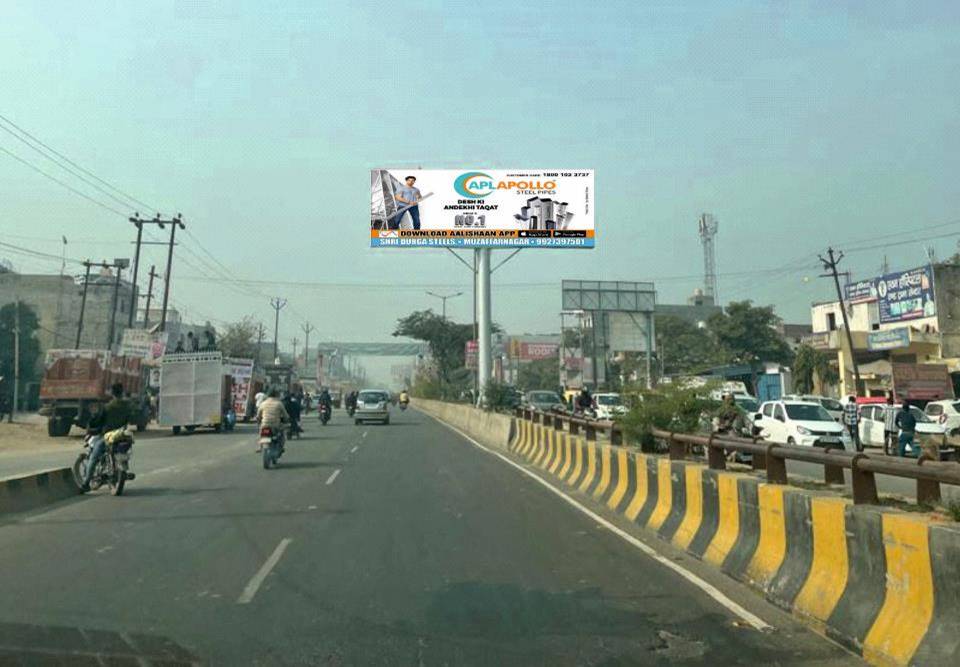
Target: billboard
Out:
[471,353]
[143,343]
[241,370]
[486,208]
[901,296]
[532,351]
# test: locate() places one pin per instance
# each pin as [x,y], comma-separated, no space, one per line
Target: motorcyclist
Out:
[404,397]
[291,402]
[729,418]
[350,401]
[115,414]
[324,401]
[584,400]
[272,413]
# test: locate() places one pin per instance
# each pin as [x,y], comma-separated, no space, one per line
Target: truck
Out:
[194,391]
[76,380]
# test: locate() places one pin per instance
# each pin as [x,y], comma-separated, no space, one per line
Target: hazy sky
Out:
[796,124]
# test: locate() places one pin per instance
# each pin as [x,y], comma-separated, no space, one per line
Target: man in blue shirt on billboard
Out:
[407,195]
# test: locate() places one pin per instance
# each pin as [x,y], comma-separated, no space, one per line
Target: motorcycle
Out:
[404,404]
[271,445]
[325,411]
[113,468]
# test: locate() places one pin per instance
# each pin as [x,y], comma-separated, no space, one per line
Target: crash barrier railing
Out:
[928,473]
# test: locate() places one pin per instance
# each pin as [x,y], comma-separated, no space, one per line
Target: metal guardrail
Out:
[928,473]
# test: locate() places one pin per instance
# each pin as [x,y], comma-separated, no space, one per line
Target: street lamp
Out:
[444,299]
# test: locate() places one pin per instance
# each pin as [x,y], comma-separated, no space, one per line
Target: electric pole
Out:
[174,223]
[83,301]
[119,265]
[146,310]
[278,305]
[136,254]
[16,359]
[259,341]
[307,328]
[830,265]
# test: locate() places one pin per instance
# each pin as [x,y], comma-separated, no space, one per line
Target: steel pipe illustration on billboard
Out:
[495,208]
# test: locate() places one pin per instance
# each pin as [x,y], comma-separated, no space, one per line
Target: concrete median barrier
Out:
[27,492]
[883,582]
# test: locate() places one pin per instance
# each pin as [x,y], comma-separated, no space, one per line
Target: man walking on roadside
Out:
[889,427]
[851,419]
[908,426]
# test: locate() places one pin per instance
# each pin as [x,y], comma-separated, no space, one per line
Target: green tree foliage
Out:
[670,407]
[239,339]
[540,374]
[684,347]
[745,333]
[29,345]
[808,364]
[447,341]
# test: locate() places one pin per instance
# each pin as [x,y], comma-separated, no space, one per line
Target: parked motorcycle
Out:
[113,468]
[325,411]
[271,445]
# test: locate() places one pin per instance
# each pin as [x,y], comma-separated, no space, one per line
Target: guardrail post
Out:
[591,432]
[863,482]
[678,450]
[616,436]
[758,461]
[716,456]
[834,475]
[558,422]
[574,427]
[776,467]
[536,417]
[548,420]
[928,490]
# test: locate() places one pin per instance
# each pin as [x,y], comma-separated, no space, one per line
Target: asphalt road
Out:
[392,545]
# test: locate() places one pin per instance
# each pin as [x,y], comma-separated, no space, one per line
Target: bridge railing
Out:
[772,458]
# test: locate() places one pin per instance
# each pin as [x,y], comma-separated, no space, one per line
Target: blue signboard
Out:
[901,296]
[891,339]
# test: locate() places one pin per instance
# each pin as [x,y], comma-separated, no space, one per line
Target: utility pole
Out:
[259,341]
[830,265]
[119,265]
[136,254]
[174,223]
[146,310]
[16,359]
[307,328]
[83,301]
[278,305]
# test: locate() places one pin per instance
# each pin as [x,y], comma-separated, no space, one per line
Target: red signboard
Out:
[471,353]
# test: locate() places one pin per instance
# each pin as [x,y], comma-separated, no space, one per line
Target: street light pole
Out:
[444,298]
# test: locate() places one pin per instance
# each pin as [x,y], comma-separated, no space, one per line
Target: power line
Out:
[74,164]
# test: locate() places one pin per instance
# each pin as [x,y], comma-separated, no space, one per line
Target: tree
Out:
[447,341]
[239,339]
[809,364]
[29,345]
[746,334]
[684,347]
[671,407]
[540,374]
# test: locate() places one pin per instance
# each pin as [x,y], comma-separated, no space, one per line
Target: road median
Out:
[883,582]
[21,493]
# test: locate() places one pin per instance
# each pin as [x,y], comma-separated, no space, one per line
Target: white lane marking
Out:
[363,435]
[709,589]
[333,476]
[254,585]
[355,448]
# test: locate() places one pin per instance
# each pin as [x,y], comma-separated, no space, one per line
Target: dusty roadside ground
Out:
[28,433]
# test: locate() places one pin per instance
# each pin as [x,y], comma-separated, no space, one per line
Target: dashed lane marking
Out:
[333,476]
[254,585]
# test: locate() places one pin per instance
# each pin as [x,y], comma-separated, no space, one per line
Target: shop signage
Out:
[891,339]
[902,296]
[926,382]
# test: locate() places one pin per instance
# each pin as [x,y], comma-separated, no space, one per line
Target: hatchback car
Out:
[609,405]
[831,405]
[372,405]
[544,401]
[946,413]
[800,423]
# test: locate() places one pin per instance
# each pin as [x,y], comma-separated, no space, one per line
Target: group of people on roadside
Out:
[899,426]
[192,343]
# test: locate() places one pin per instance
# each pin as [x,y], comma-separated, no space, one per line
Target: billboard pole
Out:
[484,319]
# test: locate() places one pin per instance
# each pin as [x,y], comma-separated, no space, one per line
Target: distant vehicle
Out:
[929,431]
[336,398]
[192,387]
[609,405]
[74,380]
[746,403]
[947,413]
[372,405]
[545,401]
[831,405]
[800,423]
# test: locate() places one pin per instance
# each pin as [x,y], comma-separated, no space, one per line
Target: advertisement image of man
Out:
[407,195]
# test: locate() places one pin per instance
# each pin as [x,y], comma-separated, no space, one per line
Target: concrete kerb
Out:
[27,492]
[883,582]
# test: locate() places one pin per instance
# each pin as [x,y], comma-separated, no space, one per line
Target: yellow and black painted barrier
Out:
[884,583]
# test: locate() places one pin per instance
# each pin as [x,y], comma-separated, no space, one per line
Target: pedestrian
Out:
[889,427]
[179,347]
[193,342]
[210,342]
[907,423]
[851,419]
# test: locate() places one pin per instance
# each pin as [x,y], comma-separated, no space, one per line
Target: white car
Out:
[609,406]
[871,426]
[800,423]
[947,413]
[831,405]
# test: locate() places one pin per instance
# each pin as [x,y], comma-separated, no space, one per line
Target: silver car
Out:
[372,405]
